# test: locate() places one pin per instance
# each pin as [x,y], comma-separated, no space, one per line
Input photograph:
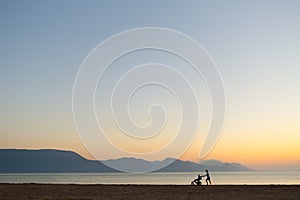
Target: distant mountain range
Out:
[58,161]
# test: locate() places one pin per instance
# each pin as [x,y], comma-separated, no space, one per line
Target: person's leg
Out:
[208,181]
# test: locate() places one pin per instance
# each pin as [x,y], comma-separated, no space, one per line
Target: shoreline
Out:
[133,191]
[150,184]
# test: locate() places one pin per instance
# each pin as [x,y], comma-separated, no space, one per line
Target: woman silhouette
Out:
[207,178]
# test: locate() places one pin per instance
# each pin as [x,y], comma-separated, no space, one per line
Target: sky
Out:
[255,45]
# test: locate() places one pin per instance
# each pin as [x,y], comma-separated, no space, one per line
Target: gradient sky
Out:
[255,45]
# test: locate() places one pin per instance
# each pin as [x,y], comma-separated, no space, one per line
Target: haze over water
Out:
[178,178]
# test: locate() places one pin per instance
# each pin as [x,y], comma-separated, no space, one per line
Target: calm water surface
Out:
[181,178]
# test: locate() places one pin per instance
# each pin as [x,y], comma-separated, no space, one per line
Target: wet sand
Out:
[72,191]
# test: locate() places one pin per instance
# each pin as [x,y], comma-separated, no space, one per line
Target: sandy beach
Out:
[72,191]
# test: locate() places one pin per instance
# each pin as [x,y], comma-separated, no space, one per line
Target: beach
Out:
[77,191]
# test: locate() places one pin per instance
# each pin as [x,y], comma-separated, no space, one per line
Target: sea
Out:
[164,178]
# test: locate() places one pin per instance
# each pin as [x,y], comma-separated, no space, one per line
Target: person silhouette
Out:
[207,178]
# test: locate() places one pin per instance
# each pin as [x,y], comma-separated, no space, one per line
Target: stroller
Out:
[197,181]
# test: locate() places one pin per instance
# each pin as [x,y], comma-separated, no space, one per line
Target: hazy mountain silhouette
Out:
[48,161]
[136,165]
